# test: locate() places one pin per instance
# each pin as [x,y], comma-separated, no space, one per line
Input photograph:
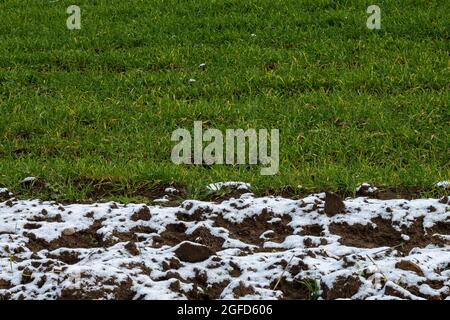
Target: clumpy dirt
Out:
[367,236]
[251,229]
[221,196]
[146,252]
[197,215]
[210,292]
[100,189]
[440,227]
[242,290]
[68,257]
[132,248]
[235,270]
[409,265]
[333,204]
[4,284]
[142,214]
[342,288]
[190,252]
[202,289]
[421,237]
[175,233]
[171,264]
[398,193]
[4,195]
[384,234]
[312,230]
[133,234]
[31,226]
[44,218]
[88,238]
[292,290]
[109,289]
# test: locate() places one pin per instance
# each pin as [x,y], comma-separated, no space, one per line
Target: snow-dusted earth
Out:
[251,248]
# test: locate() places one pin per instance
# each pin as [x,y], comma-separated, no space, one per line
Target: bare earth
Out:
[244,247]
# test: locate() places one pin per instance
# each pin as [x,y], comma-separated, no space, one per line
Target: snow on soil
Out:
[366,188]
[28,180]
[251,248]
[5,193]
[229,184]
[444,183]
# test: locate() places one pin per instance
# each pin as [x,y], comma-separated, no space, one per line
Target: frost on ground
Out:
[251,248]
[229,184]
[443,184]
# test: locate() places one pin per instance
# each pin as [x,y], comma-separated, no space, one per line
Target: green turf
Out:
[352,104]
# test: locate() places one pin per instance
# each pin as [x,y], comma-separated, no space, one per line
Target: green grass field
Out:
[353,105]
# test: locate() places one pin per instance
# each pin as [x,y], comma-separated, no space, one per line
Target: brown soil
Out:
[297,268]
[409,265]
[120,291]
[4,196]
[190,252]
[4,284]
[235,270]
[333,204]
[444,200]
[139,265]
[202,290]
[251,229]
[31,226]
[88,238]
[142,214]
[172,264]
[132,234]
[132,248]
[242,290]
[226,194]
[440,228]
[292,290]
[27,276]
[97,189]
[68,257]
[43,217]
[365,236]
[312,230]
[210,292]
[201,245]
[175,234]
[197,215]
[383,193]
[343,288]
[398,193]
[390,291]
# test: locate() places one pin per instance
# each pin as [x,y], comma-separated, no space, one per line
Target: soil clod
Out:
[333,204]
[193,252]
